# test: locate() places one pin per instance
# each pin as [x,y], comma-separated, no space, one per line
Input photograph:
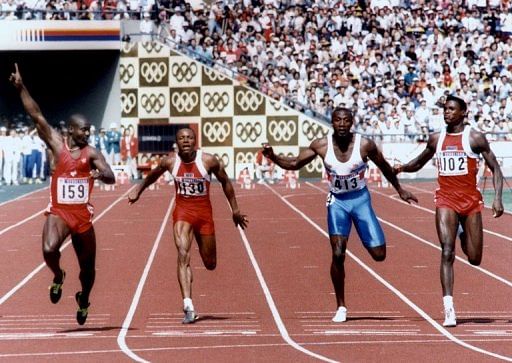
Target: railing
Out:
[163,36]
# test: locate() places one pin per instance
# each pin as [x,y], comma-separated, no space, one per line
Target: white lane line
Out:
[22,196]
[483,270]
[121,338]
[36,214]
[431,192]
[396,198]
[27,278]
[270,301]
[241,346]
[397,292]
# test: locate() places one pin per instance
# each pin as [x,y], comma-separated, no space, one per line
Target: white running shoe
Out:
[341,315]
[449,317]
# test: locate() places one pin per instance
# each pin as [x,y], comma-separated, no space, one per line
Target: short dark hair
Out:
[459,100]
[343,109]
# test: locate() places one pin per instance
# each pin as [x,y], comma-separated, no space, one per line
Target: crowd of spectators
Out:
[74,9]
[392,61]
[25,158]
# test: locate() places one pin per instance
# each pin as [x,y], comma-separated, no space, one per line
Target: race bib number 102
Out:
[72,190]
[452,163]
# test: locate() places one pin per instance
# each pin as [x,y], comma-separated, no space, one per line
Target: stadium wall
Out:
[160,86]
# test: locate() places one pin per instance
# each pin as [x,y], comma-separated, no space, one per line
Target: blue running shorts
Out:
[356,206]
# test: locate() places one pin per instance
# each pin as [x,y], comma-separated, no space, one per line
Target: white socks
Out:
[187,304]
[448,302]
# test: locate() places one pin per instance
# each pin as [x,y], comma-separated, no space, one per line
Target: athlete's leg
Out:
[183,236]
[447,222]
[55,231]
[85,249]
[207,249]
[339,224]
[368,227]
[339,247]
[473,231]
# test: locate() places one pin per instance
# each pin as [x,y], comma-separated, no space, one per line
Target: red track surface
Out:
[270,298]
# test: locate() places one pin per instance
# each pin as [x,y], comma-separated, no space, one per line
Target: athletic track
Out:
[270,298]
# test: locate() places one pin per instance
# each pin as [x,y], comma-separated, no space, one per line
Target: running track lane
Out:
[32,328]
[235,323]
[413,268]
[23,241]
[497,241]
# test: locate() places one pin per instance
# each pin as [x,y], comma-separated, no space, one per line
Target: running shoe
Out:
[190,317]
[83,309]
[449,317]
[341,315]
[56,289]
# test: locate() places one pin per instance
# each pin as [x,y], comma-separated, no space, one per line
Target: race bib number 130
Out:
[72,190]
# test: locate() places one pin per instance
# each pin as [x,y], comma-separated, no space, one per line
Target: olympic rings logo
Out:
[152,47]
[217,132]
[184,101]
[153,72]
[213,75]
[216,101]
[184,71]
[276,105]
[153,102]
[248,100]
[126,72]
[316,166]
[282,130]
[128,102]
[224,158]
[127,47]
[248,131]
[245,157]
[313,130]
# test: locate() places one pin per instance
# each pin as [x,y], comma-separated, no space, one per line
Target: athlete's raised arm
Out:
[49,135]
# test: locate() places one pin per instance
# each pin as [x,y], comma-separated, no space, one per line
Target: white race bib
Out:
[346,183]
[191,187]
[452,163]
[72,190]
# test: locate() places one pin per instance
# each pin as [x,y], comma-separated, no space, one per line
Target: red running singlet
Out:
[193,205]
[70,190]
[457,167]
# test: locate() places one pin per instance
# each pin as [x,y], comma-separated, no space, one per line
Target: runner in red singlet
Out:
[69,212]
[458,201]
[192,215]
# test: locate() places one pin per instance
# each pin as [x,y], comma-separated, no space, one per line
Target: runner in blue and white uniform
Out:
[345,155]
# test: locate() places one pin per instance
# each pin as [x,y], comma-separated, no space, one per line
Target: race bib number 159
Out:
[72,190]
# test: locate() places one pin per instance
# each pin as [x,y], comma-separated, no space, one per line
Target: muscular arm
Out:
[375,155]
[217,169]
[480,145]
[51,137]
[102,170]
[418,162]
[164,165]
[295,162]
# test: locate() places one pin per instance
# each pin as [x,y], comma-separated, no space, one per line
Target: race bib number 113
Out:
[72,190]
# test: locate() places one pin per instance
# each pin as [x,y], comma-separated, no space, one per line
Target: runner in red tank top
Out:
[192,215]
[458,200]
[69,212]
